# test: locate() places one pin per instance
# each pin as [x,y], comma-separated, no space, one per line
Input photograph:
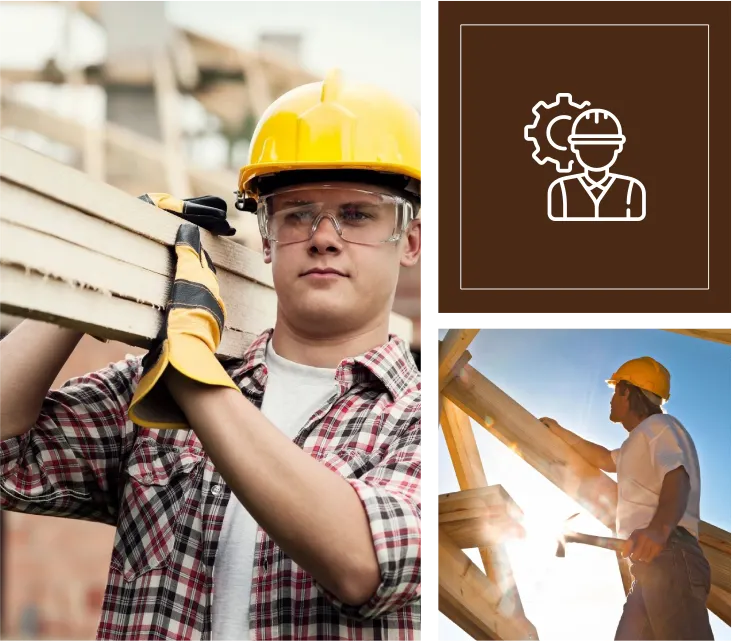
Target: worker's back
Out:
[658,445]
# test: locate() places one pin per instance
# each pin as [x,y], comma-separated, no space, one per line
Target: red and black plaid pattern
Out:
[84,459]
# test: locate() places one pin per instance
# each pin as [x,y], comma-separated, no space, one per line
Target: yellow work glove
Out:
[208,212]
[188,340]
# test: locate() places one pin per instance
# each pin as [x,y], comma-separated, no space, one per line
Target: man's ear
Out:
[412,245]
[267,251]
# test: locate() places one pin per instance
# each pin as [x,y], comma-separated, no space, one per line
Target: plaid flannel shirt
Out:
[84,459]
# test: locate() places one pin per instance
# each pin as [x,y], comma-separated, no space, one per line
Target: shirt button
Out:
[148,478]
[216,490]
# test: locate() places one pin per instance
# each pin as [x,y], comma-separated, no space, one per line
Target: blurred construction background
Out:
[162,96]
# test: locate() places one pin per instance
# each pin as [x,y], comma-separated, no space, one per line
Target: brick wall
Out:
[55,569]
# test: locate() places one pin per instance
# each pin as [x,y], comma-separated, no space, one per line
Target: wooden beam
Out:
[468,598]
[716,335]
[456,369]
[462,447]
[481,517]
[525,435]
[470,474]
[451,349]
[559,463]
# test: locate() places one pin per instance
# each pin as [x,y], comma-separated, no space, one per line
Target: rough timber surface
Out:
[83,254]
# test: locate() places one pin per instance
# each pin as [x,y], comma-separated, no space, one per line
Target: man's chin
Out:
[323,308]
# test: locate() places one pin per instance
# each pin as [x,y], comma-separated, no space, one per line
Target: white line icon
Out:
[595,141]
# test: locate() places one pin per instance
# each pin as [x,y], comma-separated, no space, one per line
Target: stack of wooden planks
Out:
[82,254]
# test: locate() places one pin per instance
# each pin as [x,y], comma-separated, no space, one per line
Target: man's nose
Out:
[326,237]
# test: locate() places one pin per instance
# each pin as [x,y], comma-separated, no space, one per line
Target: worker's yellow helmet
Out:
[334,125]
[646,373]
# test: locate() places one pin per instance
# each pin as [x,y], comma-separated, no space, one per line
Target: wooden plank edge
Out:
[92,312]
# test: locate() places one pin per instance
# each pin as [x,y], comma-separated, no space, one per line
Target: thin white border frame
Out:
[547,289]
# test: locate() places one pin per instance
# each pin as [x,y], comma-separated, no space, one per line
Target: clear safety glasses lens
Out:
[362,217]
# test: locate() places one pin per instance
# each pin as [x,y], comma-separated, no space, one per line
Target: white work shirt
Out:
[656,447]
[293,394]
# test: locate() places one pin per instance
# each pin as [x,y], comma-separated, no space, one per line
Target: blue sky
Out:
[562,373]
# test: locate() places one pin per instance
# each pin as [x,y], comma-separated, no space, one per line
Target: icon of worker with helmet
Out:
[596,194]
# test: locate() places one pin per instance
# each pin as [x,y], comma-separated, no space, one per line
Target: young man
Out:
[290,509]
[658,507]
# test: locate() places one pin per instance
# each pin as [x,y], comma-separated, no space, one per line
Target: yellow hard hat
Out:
[334,125]
[646,373]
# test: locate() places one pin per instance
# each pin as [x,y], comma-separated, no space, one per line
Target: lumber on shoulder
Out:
[590,487]
[469,598]
[66,237]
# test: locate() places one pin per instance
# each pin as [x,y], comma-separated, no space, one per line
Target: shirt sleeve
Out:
[390,495]
[68,463]
[666,453]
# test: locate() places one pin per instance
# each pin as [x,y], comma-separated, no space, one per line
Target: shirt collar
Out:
[390,365]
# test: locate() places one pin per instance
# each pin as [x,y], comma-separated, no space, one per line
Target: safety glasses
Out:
[363,217]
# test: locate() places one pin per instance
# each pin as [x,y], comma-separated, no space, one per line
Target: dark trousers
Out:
[668,597]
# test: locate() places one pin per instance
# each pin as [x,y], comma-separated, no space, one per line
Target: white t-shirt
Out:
[293,394]
[657,446]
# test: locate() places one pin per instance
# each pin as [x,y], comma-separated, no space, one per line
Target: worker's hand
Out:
[551,424]
[188,340]
[645,545]
[208,212]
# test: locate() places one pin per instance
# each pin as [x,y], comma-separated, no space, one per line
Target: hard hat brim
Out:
[250,172]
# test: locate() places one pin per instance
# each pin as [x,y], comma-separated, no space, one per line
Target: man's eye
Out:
[352,214]
[299,214]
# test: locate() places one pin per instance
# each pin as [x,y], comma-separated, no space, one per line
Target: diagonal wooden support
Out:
[590,487]
[483,517]
[470,474]
[472,601]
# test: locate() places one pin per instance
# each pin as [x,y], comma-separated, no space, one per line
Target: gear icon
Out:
[563,108]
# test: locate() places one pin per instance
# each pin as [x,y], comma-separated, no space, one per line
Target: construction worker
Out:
[596,140]
[273,496]
[658,507]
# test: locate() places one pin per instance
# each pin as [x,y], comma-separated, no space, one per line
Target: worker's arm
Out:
[61,449]
[314,514]
[32,355]
[594,454]
[672,501]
